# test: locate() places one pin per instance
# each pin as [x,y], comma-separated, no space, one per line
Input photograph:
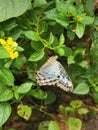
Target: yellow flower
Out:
[10,47]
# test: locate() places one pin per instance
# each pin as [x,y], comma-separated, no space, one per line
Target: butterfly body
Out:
[53,73]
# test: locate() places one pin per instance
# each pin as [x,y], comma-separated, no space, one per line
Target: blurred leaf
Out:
[76,69]
[37,45]
[6,95]
[51,38]
[39,94]
[40,3]
[32,35]
[43,125]
[87,20]
[82,111]
[80,28]
[12,8]
[89,7]
[36,56]
[3,53]
[24,111]
[6,76]
[70,60]
[81,88]
[74,123]
[19,62]
[51,97]
[51,14]
[70,34]
[61,39]
[76,103]
[53,126]
[24,88]
[5,111]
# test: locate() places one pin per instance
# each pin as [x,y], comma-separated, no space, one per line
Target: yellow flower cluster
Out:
[10,46]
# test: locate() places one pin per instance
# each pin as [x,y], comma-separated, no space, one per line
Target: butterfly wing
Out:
[65,82]
[53,73]
[48,74]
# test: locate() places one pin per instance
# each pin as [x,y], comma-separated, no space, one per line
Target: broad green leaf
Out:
[63,21]
[76,69]
[76,103]
[40,3]
[71,9]
[82,111]
[39,94]
[43,125]
[24,88]
[24,111]
[53,126]
[89,7]
[81,88]
[3,53]
[70,34]
[51,97]
[51,14]
[87,20]
[5,111]
[36,56]
[13,8]
[70,60]
[19,62]
[32,35]
[80,28]
[61,7]
[74,123]
[37,45]
[6,76]
[6,95]
[69,109]
[60,51]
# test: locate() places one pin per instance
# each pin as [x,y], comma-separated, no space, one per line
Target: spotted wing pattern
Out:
[53,73]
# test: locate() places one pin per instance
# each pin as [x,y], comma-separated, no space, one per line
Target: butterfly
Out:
[53,73]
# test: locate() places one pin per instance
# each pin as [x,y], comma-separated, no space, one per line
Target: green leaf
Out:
[80,28]
[70,60]
[53,126]
[63,21]
[51,14]
[13,8]
[74,123]
[36,56]
[76,103]
[40,3]
[6,95]
[87,20]
[37,46]
[24,111]
[89,7]
[43,125]
[6,76]
[5,111]
[51,38]
[81,88]
[24,88]
[3,53]
[51,97]
[82,111]
[61,39]
[39,94]
[19,62]
[32,35]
